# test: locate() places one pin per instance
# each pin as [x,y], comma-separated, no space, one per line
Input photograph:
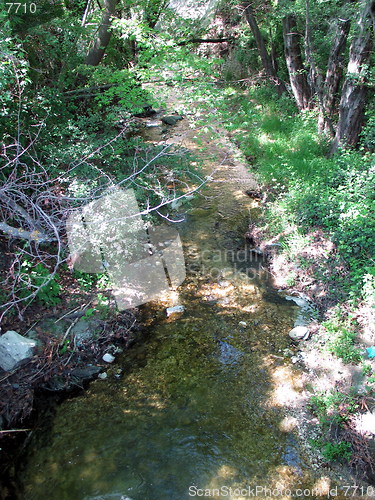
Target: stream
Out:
[205,398]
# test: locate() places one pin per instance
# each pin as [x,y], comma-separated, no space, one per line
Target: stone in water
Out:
[174,309]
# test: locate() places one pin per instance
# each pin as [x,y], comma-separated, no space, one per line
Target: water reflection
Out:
[203,397]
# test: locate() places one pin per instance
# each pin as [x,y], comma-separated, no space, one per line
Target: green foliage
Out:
[33,277]
[86,281]
[338,451]
[309,190]
[332,407]
[368,131]
[125,91]
[89,312]
[342,340]
[366,369]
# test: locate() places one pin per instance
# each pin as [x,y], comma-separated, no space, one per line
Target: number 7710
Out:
[15,7]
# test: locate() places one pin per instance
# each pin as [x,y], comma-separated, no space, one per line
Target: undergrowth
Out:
[307,190]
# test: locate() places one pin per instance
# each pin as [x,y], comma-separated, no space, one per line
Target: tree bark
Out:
[97,52]
[333,76]
[313,75]
[262,49]
[293,57]
[153,11]
[353,95]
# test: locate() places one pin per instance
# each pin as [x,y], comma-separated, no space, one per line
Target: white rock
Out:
[14,349]
[299,333]
[174,309]
[108,358]
[103,375]
[242,323]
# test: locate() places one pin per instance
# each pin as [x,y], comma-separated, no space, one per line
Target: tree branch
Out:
[206,40]
[36,236]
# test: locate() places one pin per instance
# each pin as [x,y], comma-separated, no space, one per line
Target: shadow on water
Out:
[194,408]
[202,400]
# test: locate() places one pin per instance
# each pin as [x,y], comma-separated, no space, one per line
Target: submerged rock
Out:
[15,350]
[171,120]
[174,310]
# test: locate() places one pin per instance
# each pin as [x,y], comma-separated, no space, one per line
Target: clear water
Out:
[203,399]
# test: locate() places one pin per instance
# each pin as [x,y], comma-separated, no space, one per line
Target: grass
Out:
[306,189]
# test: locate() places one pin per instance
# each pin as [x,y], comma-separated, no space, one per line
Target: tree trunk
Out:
[333,76]
[96,53]
[296,69]
[313,75]
[153,11]
[260,43]
[274,61]
[353,96]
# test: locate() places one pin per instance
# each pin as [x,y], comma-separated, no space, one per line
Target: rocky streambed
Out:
[213,397]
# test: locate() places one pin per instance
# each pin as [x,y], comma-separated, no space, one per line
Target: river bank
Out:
[236,325]
[215,391]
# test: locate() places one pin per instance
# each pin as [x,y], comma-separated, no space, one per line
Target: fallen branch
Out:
[15,430]
[206,40]
[19,233]
[85,90]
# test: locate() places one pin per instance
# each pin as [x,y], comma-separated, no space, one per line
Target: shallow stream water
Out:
[204,399]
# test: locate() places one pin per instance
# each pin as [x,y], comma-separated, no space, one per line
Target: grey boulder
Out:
[15,350]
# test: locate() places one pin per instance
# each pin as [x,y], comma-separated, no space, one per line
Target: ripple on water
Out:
[199,407]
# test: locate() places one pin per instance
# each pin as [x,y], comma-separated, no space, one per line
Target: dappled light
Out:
[187,248]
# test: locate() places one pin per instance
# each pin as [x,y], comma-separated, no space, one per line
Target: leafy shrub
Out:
[336,451]
[37,276]
[342,342]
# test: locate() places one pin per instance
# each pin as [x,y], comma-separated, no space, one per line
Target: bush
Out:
[341,341]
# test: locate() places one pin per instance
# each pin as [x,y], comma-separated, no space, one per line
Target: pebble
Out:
[108,358]
[174,309]
[242,323]
[103,375]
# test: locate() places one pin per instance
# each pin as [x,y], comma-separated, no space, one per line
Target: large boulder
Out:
[15,350]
